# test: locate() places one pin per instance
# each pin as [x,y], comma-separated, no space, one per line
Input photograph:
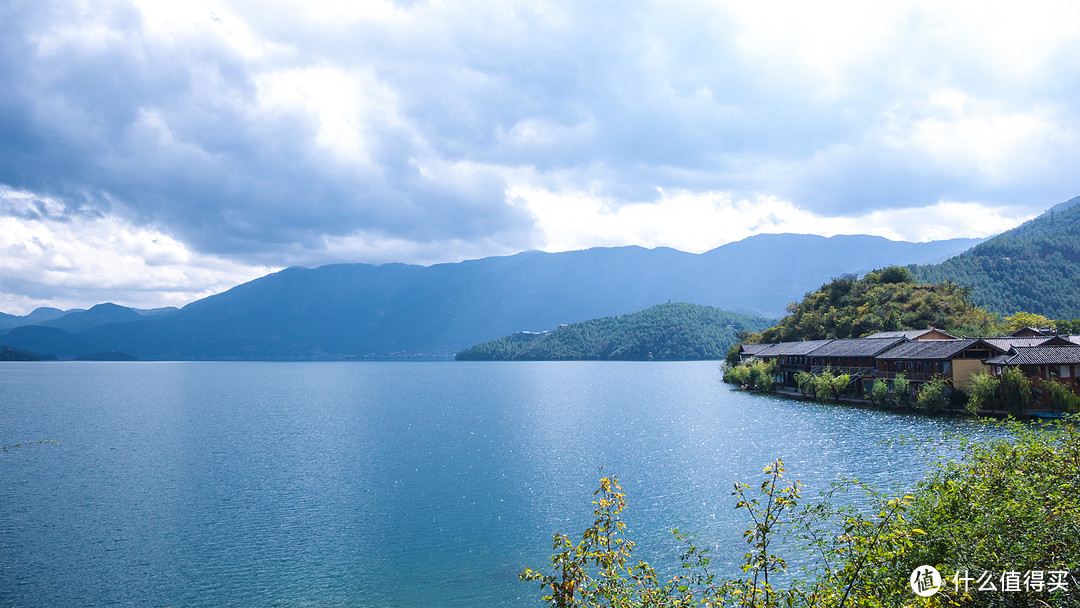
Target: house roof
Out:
[1009,342]
[1040,355]
[793,348]
[856,347]
[910,334]
[752,349]
[1034,331]
[938,350]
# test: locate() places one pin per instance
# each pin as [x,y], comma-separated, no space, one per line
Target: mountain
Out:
[1034,267]
[78,320]
[883,300]
[39,315]
[357,310]
[666,332]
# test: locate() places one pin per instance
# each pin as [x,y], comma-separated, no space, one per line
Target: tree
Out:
[1015,390]
[902,388]
[879,392]
[1020,320]
[932,395]
[982,392]
[1061,397]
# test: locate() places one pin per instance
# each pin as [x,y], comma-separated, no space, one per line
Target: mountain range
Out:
[1034,267]
[398,310]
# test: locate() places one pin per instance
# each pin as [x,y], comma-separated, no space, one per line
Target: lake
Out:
[385,484]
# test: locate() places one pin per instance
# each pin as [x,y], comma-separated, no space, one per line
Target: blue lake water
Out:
[384,484]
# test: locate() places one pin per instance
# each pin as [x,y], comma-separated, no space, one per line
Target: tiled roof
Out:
[793,348]
[1009,342]
[910,334]
[1040,355]
[753,349]
[856,347]
[929,349]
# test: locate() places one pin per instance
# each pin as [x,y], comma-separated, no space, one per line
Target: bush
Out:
[932,395]
[984,387]
[1061,397]
[879,393]
[1006,505]
[902,389]
[1015,391]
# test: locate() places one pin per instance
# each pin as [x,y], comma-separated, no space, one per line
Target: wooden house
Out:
[853,356]
[1048,363]
[955,360]
[791,357]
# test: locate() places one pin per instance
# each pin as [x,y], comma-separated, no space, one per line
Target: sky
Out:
[155,152]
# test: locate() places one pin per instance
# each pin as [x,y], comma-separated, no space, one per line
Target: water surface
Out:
[383,484]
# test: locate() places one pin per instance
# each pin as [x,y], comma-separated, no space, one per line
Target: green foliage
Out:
[983,390]
[1064,326]
[753,374]
[884,300]
[1033,267]
[826,385]
[1014,390]
[902,389]
[668,332]
[932,395]
[856,549]
[805,382]
[732,357]
[879,393]
[1020,320]
[1062,399]
[1008,505]
[1003,505]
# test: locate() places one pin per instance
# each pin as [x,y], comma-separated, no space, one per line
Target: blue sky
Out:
[156,152]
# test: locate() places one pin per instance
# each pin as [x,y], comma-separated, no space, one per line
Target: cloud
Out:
[279,132]
[698,222]
[47,259]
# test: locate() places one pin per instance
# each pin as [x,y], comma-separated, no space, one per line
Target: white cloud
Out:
[65,262]
[698,222]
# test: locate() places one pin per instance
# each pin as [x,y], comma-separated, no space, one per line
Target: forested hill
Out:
[1034,267]
[884,300]
[668,332]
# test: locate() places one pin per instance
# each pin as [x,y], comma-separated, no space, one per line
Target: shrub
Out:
[984,386]
[1015,390]
[902,388]
[932,395]
[1061,397]
[879,392]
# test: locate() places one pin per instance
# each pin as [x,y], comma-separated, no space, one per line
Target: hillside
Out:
[1034,267]
[667,332]
[884,300]
[361,310]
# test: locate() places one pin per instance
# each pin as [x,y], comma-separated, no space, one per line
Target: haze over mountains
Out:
[359,310]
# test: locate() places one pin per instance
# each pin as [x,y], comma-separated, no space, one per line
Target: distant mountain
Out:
[39,315]
[78,320]
[13,354]
[666,332]
[358,310]
[1034,267]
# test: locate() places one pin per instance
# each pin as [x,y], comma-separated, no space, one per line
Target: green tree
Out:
[1020,320]
[932,395]
[982,392]
[1061,397]
[879,392]
[902,389]
[1015,390]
